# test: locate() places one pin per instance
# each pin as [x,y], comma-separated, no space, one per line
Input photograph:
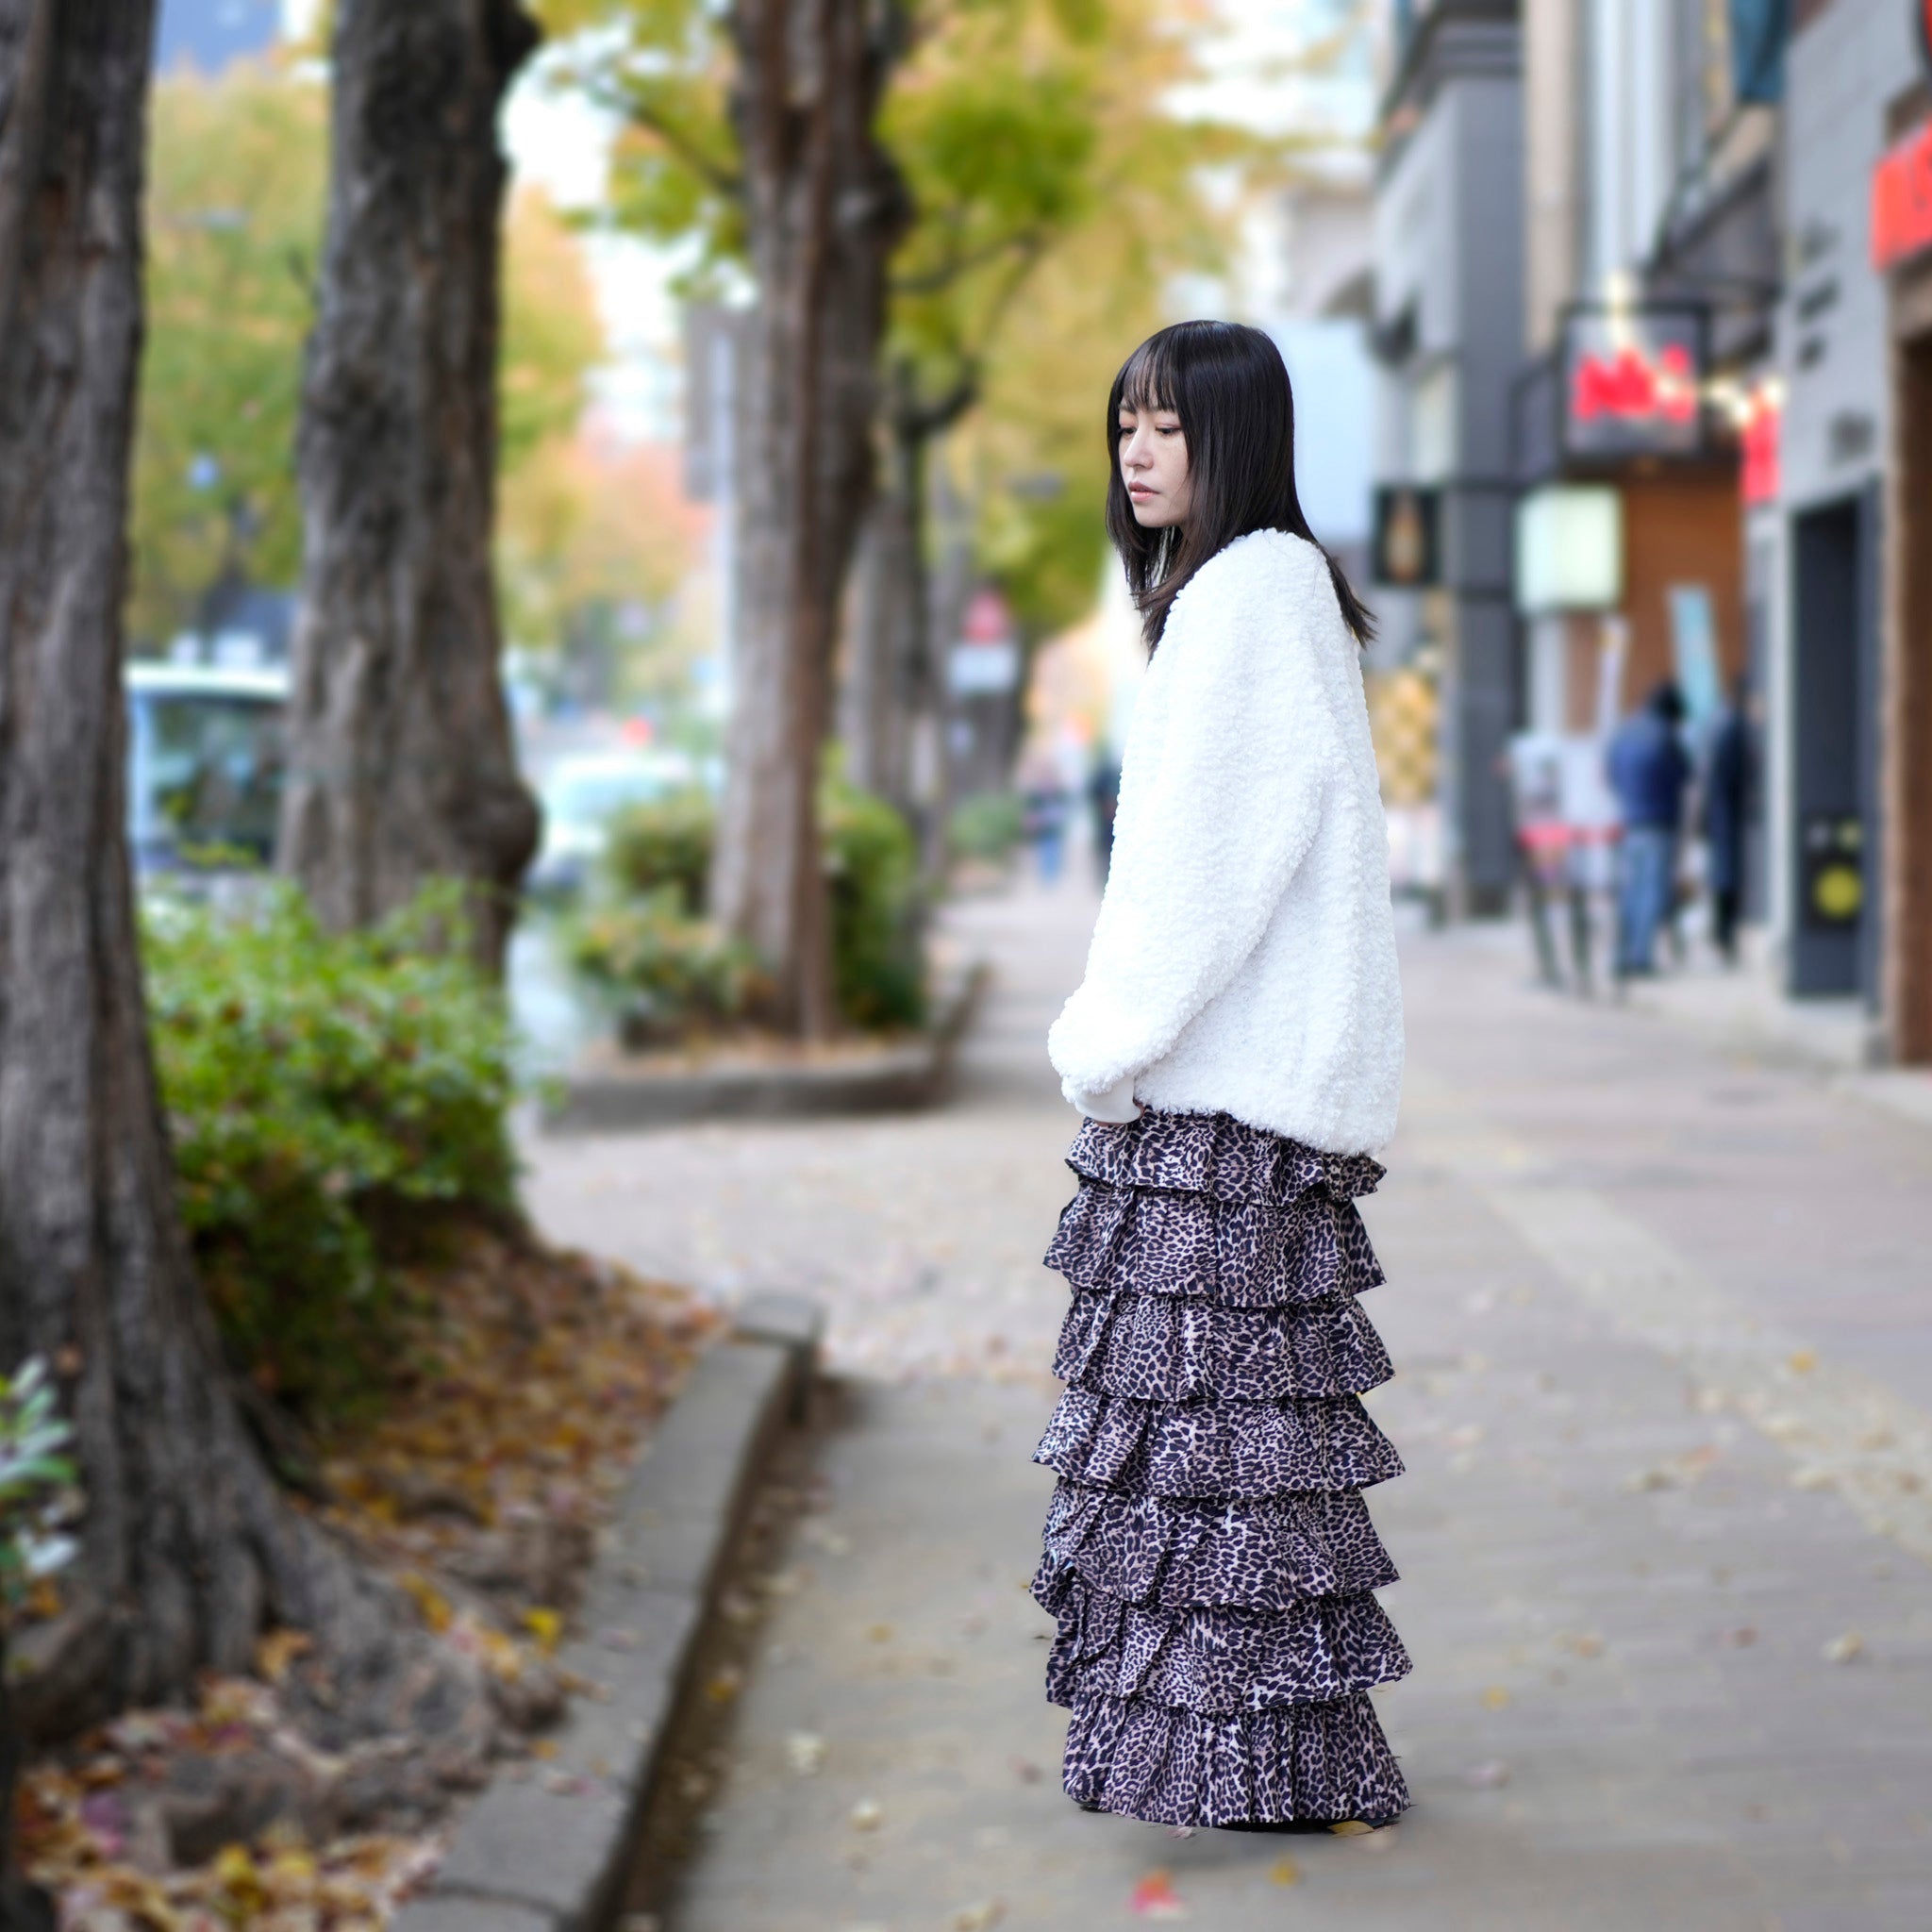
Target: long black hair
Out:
[1229,387]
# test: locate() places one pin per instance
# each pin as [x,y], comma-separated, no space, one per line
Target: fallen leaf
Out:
[430,1602]
[1496,1698]
[544,1747]
[1739,1638]
[1802,1361]
[1487,1777]
[868,1815]
[1155,1897]
[1284,1872]
[1025,1771]
[880,1633]
[278,1649]
[806,1753]
[725,1685]
[980,1918]
[1352,1828]
[1585,1644]
[547,1626]
[1844,1649]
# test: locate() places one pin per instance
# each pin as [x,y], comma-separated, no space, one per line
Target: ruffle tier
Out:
[1268,1555]
[1215,1448]
[1166,1766]
[1209,1559]
[1213,1660]
[1158,1348]
[1242,1254]
[1212,1154]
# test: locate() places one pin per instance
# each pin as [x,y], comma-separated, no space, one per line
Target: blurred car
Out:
[582,793]
[205,761]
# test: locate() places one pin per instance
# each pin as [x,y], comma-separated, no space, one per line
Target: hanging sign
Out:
[1759,438]
[1632,382]
[985,660]
[1901,199]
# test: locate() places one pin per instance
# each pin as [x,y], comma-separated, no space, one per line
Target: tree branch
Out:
[962,261]
[723,180]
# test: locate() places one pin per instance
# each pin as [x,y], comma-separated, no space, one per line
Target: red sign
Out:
[1759,474]
[1901,199]
[989,618]
[1636,387]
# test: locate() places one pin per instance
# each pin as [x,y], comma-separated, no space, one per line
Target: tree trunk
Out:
[825,208]
[886,671]
[895,678]
[402,767]
[187,1546]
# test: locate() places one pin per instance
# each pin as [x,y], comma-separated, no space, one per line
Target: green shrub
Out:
[878,965]
[669,969]
[34,1474]
[667,844]
[667,972]
[987,826]
[325,1093]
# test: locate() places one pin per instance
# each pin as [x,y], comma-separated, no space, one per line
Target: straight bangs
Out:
[1149,379]
[1230,390]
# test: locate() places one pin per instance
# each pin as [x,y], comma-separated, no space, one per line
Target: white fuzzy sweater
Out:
[1244,958]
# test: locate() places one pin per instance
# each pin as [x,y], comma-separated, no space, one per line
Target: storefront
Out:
[1843,67]
[1630,546]
[1901,214]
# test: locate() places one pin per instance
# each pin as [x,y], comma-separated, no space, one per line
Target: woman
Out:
[1236,1050]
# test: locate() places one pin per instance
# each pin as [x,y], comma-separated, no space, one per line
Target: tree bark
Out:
[187,1547]
[402,765]
[894,676]
[886,671]
[825,208]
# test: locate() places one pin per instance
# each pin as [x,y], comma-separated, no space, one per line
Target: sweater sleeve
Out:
[1244,762]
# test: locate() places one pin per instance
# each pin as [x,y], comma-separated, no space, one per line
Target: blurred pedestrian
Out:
[1648,771]
[1044,797]
[1104,795]
[1727,784]
[1533,767]
[1236,1047]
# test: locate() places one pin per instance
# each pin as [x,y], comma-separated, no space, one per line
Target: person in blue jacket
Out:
[1648,771]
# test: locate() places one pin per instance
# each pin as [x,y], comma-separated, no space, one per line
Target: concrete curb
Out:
[549,1851]
[894,1079]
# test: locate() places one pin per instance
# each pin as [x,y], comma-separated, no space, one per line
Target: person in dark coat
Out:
[1648,771]
[1727,783]
[1104,795]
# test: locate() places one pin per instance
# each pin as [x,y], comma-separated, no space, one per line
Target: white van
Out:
[205,759]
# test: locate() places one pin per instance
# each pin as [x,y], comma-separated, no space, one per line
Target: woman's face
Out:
[1154,466]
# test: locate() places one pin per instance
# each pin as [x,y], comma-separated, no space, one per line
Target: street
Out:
[1664,1389]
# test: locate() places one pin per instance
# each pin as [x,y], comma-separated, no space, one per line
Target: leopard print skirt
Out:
[1208,1558]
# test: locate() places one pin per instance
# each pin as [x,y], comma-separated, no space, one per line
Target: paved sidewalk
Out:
[1660,1319]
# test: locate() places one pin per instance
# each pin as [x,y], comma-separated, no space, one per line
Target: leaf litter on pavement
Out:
[531,1379]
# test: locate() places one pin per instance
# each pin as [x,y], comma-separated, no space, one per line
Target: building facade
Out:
[1448,313]
[1900,250]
